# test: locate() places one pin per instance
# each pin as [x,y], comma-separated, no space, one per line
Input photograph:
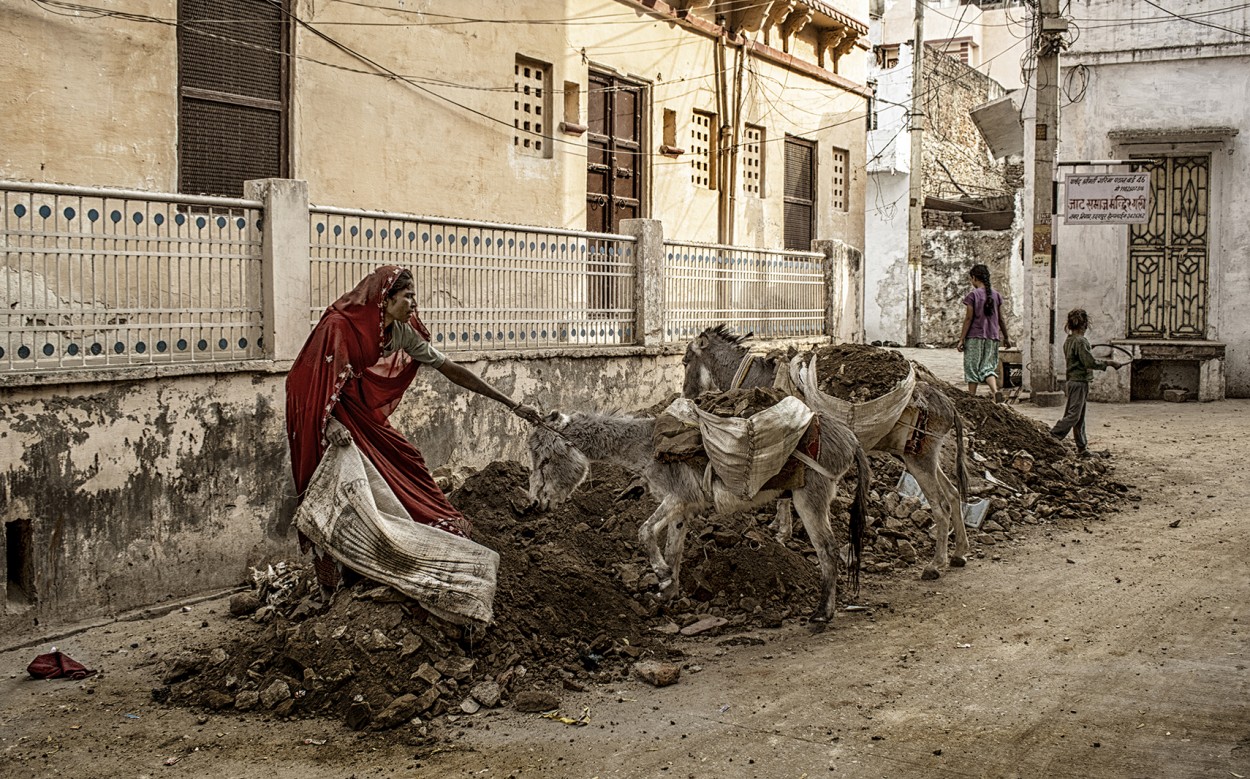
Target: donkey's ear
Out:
[701,342]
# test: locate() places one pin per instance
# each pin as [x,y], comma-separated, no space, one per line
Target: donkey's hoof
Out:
[958,562]
[929,574]
[668,590]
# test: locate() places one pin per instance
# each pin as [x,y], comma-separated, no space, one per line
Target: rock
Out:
[427,699]
[1022,461]
[185,665]
[535,701]
[426,673]
[410,644]
[749,604]
[244,603]
[246,700]
[470,706]
[657,674]
[907,552]
[218,700]
[630,574]
[264,614]
[457,668]
[358,715]
[704,625]
[1175,395]
[990,526]
[275,693]
[986,539]
[397,712]
[217,657]
[376,641]
[486,693]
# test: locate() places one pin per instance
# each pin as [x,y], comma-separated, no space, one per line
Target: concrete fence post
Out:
[285,275]
[648,280]
[844,287]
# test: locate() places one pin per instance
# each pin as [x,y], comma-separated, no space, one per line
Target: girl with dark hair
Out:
[350,376]
[984,329]
[1080,371]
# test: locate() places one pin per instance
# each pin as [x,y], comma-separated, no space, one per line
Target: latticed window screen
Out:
[232,101]
[701,150]
[800,193]
[752,156]
[837,179]
[531,103]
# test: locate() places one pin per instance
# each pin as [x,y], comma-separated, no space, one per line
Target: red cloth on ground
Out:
[341,372]
[54,665]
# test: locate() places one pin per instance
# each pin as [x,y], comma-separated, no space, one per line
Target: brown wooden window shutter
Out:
[800,193]
[232,94]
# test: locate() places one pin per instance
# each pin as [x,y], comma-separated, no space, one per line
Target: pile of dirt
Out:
[858,372]
[575,603]
[575,606]
[741,403]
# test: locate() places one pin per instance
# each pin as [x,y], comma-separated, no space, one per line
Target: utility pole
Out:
[1051,25]
[915,181]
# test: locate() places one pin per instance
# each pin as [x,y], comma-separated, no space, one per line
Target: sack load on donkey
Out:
[866,387]
[748,436]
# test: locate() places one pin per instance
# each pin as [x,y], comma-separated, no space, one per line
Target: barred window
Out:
[752,156]
[837,179]
[703,150]
[232,103]
[532,107]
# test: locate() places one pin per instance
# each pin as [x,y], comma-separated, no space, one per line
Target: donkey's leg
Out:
[959,558]
[925,474]
[674,550]
[665,515]
[812,503]
[783,526]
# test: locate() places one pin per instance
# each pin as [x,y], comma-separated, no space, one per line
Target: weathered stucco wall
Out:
[141,491]
[87,101]
[948,256]
[1157,89]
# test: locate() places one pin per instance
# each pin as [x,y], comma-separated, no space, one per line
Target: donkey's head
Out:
[711,360]
[556,466]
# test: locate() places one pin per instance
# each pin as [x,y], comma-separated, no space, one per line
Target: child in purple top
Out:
[984,327]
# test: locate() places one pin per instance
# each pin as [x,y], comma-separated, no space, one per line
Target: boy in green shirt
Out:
[1080,371]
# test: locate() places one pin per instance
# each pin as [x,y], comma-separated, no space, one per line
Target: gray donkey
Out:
[716,357]
[563,447]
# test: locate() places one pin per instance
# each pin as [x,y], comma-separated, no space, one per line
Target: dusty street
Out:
[1108,649]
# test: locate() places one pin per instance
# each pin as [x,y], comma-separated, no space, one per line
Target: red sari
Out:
[341,372]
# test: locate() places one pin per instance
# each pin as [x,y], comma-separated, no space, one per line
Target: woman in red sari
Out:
[350,376]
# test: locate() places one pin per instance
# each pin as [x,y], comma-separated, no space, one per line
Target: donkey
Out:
[562,448]
[716,357]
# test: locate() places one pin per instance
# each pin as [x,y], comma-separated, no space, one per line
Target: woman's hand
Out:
[528,413]
[961,345]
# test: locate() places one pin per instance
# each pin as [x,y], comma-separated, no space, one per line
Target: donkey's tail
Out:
[961,468]
[859,514]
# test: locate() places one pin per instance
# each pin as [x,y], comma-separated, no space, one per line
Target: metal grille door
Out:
[1167,264]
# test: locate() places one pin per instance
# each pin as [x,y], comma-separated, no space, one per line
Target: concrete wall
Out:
[957,160]
[142,491]
[1159,88]
[999,34]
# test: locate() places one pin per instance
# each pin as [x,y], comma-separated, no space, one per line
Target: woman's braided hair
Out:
[982,274]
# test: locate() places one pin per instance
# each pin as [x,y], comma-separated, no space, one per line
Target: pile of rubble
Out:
[575,603]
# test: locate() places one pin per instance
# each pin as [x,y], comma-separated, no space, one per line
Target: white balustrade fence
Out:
[483,286]
[775,294]
[96,278]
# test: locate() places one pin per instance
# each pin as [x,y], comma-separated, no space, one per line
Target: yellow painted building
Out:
[733,122]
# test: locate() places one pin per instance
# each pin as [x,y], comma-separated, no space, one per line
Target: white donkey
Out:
[562,449]
[717,360]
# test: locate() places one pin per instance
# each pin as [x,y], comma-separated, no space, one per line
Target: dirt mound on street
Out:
[574,606]
[575,603]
